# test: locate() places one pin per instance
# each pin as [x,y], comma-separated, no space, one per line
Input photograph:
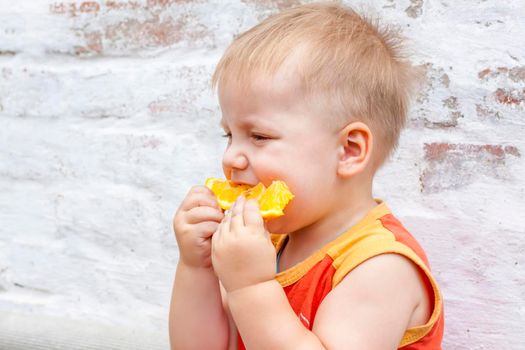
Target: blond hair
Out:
[352,64]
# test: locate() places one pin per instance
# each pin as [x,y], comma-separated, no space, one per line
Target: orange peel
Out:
[272,199]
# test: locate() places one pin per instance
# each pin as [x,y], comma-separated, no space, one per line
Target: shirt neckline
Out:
[294,273]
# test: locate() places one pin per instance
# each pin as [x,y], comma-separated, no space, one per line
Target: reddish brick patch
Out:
[452,166]
[93,44]
[152,32]
[117,5]
[513,97]
[89,7]
[143,24]
[73,9]
[505,92]
[450,122]
[516,74]
[512,150]
[439,151]
[484,73]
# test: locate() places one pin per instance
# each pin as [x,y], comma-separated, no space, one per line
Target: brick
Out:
[510,97]
[73,9]
[484,73]
[436,89]
[121,27]
[505,93]
[516,74]
[453,166]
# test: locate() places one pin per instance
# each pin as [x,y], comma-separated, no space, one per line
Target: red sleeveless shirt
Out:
[307,283]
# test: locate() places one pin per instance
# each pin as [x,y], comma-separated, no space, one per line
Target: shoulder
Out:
[384,294]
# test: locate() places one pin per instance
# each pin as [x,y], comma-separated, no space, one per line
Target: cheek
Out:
[268,168]
[313,198]
[298,213]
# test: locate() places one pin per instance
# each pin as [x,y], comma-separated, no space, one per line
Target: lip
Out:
[238,183]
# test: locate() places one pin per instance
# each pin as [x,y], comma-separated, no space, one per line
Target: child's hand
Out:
[242,251]
[196,220]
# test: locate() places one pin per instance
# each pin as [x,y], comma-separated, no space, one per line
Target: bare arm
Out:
[267,321]
[369,310]
[373,306]
[197,319]
[232,340]
[244,259]
[364,312]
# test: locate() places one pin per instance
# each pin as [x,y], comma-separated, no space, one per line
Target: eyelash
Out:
[256,137]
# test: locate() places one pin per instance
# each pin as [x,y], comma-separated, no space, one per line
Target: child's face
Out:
[274,135]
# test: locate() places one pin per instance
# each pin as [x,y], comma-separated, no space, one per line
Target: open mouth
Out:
[241,183]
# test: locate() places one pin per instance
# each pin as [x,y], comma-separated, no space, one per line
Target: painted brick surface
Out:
[107,119]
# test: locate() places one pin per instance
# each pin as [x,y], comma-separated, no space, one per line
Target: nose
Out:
[234,159]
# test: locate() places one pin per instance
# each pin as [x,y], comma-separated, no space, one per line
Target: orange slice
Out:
[255,192]
[272,200]
[225,191]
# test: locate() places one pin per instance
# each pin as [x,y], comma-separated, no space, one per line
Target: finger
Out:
[216,236]
[200,214]
[199,199]
[237,219]
[252,216]
[206,229]
[225,223]
[200,189]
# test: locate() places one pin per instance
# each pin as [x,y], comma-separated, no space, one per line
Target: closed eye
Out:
[258,137]
[255,137]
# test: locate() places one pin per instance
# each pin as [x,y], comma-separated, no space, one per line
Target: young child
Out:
[315,96]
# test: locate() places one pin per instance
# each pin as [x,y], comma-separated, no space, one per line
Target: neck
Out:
[349,211]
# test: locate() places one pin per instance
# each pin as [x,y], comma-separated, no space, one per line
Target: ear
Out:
[355,145]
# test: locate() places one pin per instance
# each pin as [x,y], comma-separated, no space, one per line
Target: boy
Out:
[315,96]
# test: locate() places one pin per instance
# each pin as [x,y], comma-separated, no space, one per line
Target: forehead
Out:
[249,121]
[260,91]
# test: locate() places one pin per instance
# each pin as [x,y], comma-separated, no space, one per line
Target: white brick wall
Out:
[107,118]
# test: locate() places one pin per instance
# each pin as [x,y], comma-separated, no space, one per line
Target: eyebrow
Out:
[247,123]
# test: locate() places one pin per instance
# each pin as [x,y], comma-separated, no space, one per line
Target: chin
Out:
[276,225]
[280,225]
